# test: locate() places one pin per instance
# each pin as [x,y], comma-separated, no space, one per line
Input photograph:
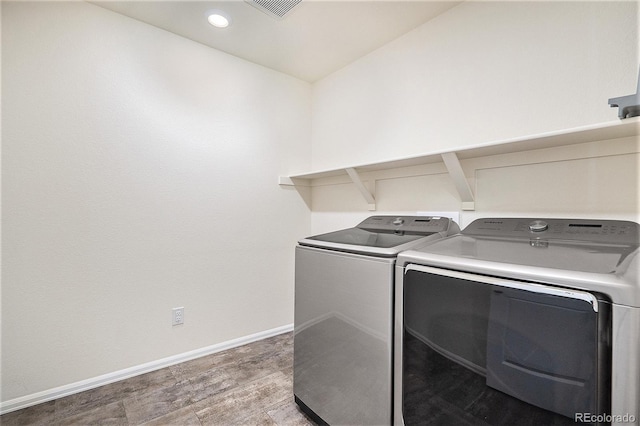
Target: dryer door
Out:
[478,348]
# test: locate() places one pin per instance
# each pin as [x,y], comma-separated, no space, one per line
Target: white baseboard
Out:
[84,385]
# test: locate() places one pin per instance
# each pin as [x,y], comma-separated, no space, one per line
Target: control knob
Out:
[538,226]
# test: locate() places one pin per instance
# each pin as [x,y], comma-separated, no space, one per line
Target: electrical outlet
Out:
[177,316]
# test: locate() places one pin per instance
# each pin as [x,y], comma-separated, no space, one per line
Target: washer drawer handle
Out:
[536,288]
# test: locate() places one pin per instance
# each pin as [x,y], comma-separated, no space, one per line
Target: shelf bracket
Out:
[452,163]
[302,186]
[368,196]
[286,181]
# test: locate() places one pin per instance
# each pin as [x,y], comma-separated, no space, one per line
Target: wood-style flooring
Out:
[247,385]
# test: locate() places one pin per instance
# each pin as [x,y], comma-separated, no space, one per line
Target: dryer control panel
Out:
[610,231]
[407,224]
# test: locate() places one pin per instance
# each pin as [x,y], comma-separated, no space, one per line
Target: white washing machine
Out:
[520,321]
[344,316]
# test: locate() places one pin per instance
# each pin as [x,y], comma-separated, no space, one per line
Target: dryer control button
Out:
[538,226]
[398,221]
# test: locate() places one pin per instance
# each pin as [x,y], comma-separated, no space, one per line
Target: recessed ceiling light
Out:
[218,18]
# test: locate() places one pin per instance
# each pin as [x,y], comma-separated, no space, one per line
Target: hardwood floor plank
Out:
[247,385]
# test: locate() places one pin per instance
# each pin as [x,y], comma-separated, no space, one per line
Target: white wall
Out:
[482,72]
[139,174]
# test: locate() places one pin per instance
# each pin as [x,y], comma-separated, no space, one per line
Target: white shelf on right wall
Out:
[599,132]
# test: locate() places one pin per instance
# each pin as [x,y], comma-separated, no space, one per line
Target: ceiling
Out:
[314,39]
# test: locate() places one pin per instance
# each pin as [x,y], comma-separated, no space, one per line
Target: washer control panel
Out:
[407,224]
[619,231]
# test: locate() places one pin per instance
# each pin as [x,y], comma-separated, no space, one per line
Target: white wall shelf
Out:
[593,133]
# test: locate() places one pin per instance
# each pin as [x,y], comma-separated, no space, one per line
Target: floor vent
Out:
[274,8]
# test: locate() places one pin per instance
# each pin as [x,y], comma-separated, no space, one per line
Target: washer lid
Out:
[579,256]
[384,235]
[600,256]
[362,237]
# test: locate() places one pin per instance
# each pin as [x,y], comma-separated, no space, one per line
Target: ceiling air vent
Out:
[274,8]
